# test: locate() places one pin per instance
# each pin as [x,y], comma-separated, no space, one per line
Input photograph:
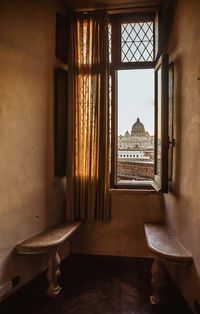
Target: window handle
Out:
[172,142]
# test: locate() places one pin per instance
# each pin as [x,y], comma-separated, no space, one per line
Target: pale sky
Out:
[135,99]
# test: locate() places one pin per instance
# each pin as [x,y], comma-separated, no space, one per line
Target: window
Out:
[137,97]
[137,41]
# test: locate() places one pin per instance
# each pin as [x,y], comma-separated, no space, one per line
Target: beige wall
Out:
[183,204]
[124,234]
[30,199]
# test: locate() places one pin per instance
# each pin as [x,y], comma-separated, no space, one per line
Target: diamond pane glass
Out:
[137,42]
[110,42]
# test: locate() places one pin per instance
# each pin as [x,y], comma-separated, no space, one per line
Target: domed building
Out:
[138,129]
[137,144]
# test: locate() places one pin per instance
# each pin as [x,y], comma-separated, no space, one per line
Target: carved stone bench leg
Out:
[53,273]
[159,282]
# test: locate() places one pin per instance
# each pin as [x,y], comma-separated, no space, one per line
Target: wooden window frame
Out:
[172,141]
[161,181]
[116,65]
[116,22]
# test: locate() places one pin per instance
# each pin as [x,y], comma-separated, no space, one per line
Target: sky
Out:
[135,99]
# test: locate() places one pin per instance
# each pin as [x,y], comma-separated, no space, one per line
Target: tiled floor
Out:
[97,285]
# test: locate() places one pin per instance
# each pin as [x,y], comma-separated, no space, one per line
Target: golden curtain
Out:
[87,164]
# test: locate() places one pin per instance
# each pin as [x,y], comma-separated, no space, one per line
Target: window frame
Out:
[172,142]
[115,65]
[116,21]
[160,181]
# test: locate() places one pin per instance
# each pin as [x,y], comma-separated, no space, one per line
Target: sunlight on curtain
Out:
[87,167]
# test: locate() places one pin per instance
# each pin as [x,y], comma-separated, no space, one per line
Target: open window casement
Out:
[161,125]
[135,52]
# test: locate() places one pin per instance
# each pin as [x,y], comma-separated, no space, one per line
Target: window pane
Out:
[110,118]
[161,125]
[110,42]
[158,157]
[135,155]
[137,42]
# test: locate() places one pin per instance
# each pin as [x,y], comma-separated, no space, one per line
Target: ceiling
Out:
[111,4]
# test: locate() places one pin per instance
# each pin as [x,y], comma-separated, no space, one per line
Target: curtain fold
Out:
[87,194]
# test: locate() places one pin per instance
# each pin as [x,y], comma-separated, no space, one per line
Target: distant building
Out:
[138,144]
[135,154]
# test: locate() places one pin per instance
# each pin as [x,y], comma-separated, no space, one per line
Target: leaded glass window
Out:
[110,42]
[137,42]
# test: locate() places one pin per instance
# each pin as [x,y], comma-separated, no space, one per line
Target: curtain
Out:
[87,149]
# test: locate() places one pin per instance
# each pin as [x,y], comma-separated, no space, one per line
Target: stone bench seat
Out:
[163,244]
[46,240]
[166,248]
[49,242]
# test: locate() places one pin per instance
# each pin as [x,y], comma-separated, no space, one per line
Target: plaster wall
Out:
[31,200]
[183,203]
[123,235]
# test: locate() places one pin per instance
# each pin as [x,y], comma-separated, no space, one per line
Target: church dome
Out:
[138,128]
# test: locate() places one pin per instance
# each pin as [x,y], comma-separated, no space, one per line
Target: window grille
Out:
[110,42]
[137,42]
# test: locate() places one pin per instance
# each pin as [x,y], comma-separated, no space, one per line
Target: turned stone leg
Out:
[53,273]
[159,282]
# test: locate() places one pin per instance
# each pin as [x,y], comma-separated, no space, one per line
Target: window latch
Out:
[172,142]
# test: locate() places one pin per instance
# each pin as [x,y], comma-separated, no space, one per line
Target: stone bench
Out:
[166,248]
[49,241]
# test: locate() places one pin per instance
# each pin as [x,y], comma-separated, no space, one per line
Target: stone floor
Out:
[96,285]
